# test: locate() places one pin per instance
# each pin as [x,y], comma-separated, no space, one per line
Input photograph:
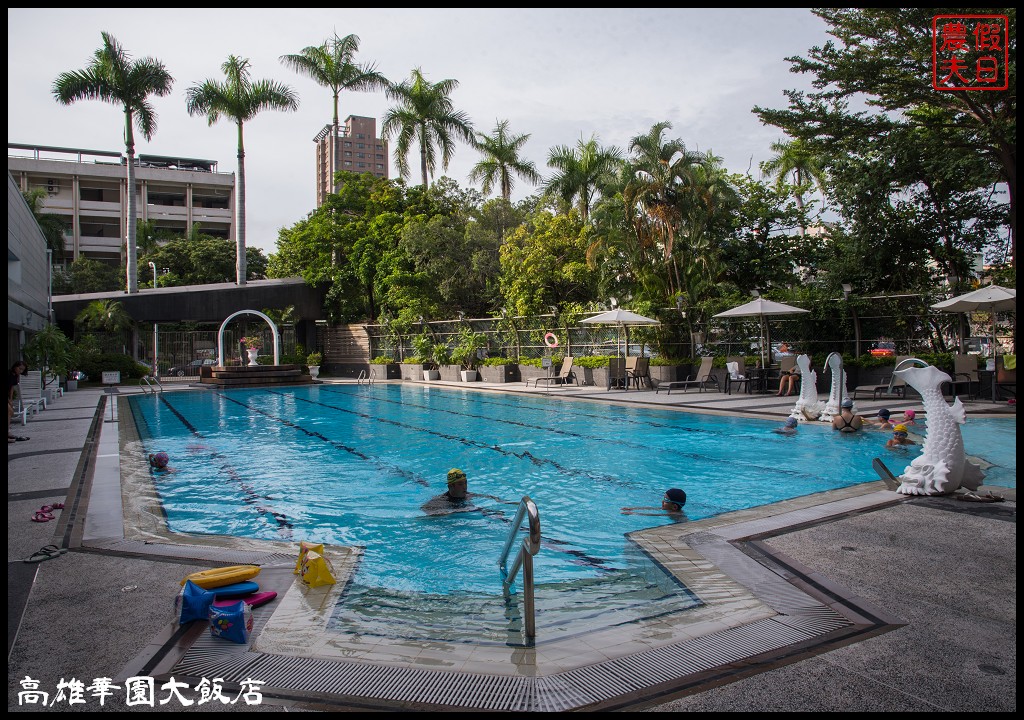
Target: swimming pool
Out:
[350,465]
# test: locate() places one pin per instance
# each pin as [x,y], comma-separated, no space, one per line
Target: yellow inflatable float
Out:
[219,577]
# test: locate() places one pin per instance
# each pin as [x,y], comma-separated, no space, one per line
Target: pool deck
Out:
[857,600]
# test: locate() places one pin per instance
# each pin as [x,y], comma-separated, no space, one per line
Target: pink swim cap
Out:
[910,414]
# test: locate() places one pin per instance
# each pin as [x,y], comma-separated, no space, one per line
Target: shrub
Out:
[494,361]
[382,360]
[94,365]
[314,358]
[593,361]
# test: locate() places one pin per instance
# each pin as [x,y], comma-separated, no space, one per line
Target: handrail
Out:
[524,558]
[149,380]
[360,377]
[368,377]
[372,378]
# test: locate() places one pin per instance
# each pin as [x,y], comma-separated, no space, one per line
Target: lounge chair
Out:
[965,372]
[639,374]
[702,378]
[891,386]
[30,395]
[737,373]
[616,373]
[1006,377]
[565,374]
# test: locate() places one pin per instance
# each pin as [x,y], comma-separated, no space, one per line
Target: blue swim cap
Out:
[159,460]
[884,413]
[791,422]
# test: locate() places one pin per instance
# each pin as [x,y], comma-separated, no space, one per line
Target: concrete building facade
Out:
[356,149]
[89,189]
[28,273]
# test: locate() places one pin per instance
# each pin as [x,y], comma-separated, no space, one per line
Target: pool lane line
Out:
[640,447]
[381,464]
[525,455]
[251,497]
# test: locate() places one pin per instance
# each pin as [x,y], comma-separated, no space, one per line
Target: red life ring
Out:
[550,340]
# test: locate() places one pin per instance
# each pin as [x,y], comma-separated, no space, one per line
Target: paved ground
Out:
[945,569]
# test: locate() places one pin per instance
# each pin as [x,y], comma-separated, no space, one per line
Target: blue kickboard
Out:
[236,590]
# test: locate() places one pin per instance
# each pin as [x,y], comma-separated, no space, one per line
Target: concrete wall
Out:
[28,273]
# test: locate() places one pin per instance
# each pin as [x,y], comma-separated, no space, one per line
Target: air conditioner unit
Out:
[52,186]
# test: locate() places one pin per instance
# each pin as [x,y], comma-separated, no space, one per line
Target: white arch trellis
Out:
[273,329]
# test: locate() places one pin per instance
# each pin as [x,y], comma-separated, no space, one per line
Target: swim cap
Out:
[791,422]
[455,475]
[910,414]
[884,413]
[675,495]
[900,430]
[847,403]
[159,460]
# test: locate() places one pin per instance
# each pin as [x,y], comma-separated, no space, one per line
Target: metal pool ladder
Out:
[366,378]
[524,558]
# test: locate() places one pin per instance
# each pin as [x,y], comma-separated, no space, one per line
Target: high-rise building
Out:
[356,149]
[89,189]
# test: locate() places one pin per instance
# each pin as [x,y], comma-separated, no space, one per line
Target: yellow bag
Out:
[305,547]
[316,570]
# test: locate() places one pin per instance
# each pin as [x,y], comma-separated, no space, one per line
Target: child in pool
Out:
[900,437]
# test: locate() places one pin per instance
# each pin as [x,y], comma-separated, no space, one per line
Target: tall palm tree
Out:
[113,77]
[238,98]
[580,171]
[425,114]
[104,316]
[501,160]
[333,66]
[794,159]
[659,173]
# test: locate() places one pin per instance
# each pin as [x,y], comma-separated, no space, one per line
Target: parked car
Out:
[883,349]
[192,368]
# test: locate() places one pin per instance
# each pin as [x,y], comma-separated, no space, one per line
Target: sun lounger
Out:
[565,374]
[702,378]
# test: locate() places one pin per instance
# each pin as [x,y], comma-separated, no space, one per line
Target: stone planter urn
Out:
[253,354]
[314,371]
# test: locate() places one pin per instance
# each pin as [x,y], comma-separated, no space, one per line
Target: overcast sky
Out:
[557,75]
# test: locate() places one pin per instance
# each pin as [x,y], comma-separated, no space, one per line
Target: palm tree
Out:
[425,114]
[333,66]
[113,77]
[501,160]
[794,158]
[240,99]
[580,171]
[104,316]
[53,226]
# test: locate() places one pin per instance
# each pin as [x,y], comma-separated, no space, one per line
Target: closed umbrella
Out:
[990,299]
[761,308]
[620,318]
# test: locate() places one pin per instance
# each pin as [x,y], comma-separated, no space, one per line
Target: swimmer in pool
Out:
[671,504]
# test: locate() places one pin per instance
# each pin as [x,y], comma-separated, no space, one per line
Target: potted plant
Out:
[50,350]
[441,357]
[253,345]
[467,352]
[425,358]
[313,360]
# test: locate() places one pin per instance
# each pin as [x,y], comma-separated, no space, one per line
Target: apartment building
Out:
[356,149]
[89,189]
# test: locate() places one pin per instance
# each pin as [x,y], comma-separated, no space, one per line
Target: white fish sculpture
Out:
[808,406]
[838,391]
[942,466]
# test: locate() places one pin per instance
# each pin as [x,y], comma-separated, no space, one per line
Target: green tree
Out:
[86,275]
[501,161]
[239,98]
[426,115]
[104,316]
[203,259]
[884,57]
[52,226]
[581,171]
[794,159]
[113,77]
[332,65]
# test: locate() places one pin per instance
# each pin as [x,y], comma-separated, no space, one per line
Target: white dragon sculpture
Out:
[808,406]
[838,392]
[942,467]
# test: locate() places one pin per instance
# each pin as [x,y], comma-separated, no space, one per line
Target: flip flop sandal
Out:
[47,552]
[42,517]
[19,438]
[50,508]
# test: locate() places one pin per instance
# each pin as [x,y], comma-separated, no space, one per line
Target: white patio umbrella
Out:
[990,299]
[620,318]
[761,308]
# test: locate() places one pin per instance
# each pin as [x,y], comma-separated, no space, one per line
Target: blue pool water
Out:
[348,465]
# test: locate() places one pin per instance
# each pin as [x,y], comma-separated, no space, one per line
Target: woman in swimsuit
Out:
[846,421]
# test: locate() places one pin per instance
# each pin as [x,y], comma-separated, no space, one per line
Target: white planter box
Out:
[468,375]
[429,375]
